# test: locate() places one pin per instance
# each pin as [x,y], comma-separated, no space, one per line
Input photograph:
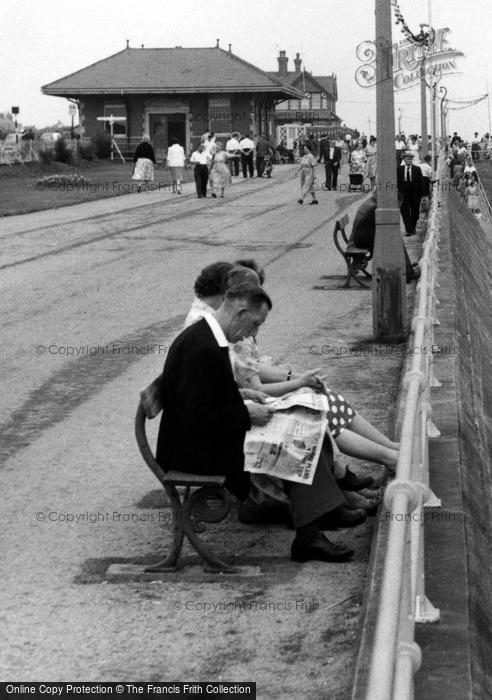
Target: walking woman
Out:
[175,163]
[219,175]
[144,161]
[371,163]
[307,168]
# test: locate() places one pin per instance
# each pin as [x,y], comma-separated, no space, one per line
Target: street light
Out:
[443,111]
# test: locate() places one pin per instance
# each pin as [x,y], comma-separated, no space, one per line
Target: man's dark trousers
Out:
[331,174]
[201,178]
[247,164]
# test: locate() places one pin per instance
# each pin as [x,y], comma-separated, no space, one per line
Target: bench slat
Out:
[184,479]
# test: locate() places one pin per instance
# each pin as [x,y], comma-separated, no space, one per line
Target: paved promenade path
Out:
[91,297]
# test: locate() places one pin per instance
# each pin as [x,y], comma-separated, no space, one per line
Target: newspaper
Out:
[288,447]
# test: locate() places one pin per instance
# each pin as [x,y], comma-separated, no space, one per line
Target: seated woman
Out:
[352,433]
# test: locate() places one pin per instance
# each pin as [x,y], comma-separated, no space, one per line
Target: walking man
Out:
[232,150]
[202,160]
[411,188]
[332,156]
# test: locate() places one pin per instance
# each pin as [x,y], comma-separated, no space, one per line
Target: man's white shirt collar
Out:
[216,330]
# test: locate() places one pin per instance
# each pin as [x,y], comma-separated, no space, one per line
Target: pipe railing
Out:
[396,656]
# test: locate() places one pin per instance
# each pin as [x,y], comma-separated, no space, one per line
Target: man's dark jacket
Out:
[324,152]
[204,418]
[415,189]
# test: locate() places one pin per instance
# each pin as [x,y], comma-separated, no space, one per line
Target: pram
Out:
[356,177]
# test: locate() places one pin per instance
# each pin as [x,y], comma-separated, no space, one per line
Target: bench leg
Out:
[197,511]
[169,562]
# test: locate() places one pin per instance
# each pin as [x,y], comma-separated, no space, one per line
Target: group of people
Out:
[214,163]
[214,388]
[464,175]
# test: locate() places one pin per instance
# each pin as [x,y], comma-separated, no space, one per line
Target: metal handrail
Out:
[396,656]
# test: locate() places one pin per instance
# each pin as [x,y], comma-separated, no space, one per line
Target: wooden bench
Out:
[203,499]
[355,258]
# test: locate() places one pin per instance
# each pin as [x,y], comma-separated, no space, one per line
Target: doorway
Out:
[163,128]
[176,128]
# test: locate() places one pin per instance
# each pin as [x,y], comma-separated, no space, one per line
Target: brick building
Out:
[173,92]
[313,111]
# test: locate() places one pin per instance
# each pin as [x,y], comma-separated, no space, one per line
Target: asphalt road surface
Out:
[91,297]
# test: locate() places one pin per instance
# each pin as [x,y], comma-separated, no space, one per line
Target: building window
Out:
[306,101]
[316,100]
[119,127]
[283,105]
[324,101]
[294,104]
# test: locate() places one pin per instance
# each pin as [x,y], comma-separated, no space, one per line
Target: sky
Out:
[43,41]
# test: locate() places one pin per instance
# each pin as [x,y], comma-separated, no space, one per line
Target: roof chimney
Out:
[141,46]
[282,64]
[128,43]
[230,48]
[217,44]
[297,63]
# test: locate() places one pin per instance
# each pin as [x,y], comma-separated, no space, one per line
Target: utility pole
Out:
[423,107]
[388,288]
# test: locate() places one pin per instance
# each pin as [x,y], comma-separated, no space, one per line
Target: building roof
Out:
[325,83]
[171,71]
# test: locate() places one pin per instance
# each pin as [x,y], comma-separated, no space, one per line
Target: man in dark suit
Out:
[411,188]
[332,156]
[204,421]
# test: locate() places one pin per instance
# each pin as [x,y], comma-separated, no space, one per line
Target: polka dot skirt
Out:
[340,413]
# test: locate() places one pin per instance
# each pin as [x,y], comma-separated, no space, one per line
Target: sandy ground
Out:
[91,297]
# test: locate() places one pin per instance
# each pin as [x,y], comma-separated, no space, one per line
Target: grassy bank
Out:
[36,186]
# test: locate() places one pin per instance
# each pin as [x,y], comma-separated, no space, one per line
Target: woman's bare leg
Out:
[359,446]
[361,426]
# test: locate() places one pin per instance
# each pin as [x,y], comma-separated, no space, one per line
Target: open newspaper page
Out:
[288,447]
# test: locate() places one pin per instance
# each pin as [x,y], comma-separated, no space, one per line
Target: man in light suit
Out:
[332,156]
[204,421]
[411,188]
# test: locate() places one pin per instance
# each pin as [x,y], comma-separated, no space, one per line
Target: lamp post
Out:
[388,289]
[443,111]
[71,111]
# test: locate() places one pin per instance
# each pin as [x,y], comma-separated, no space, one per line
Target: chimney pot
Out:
[128,43]
[282,64]
[217,45]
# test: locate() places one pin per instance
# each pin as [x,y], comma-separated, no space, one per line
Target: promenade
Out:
[92,296]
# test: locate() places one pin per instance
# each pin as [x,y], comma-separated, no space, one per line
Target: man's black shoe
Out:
[341,517]
[351,482]
[320,549]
